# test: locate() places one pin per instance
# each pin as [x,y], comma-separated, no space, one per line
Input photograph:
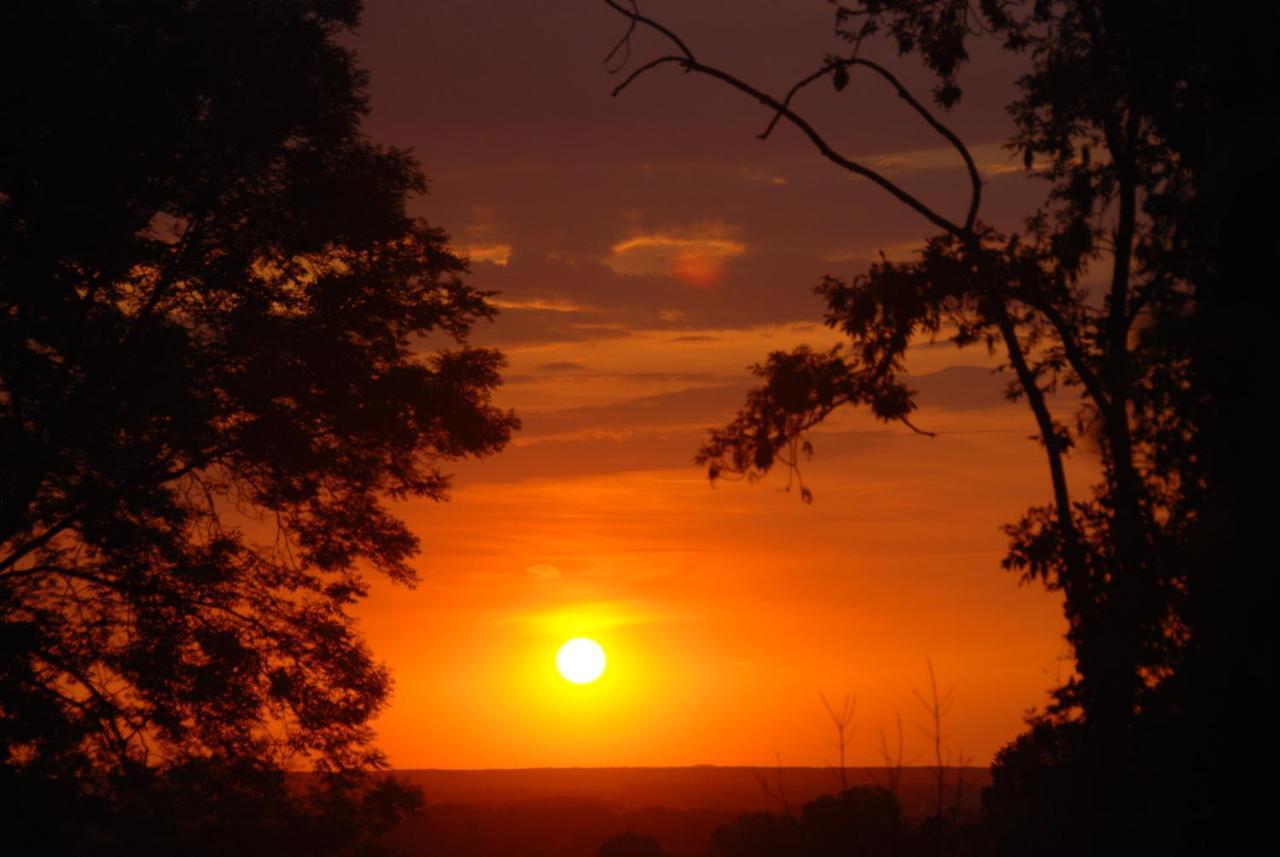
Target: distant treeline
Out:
[864,820]
[729,788]
[688,812]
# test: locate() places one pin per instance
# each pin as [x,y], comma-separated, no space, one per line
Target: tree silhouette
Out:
[860,821]
[1120,125]
[842,721]
[759,835]
[1038,795]
[225,347]
[892,759]
[771,793]
[629,844]
[937,706]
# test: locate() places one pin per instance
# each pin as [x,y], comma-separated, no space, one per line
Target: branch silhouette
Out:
[782,109]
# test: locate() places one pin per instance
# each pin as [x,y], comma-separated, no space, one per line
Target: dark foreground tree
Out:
[225,348]
[1135,115]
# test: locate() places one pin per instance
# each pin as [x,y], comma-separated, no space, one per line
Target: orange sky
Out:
[648,249]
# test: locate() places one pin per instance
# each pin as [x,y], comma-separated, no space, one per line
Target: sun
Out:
[580,660]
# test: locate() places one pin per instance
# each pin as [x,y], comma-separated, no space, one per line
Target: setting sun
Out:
[580,660]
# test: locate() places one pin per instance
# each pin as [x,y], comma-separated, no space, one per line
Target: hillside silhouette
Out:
[697,787]
[571,812]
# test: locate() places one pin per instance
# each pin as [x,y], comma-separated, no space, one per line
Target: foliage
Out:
[759,835]
[629,844]
[1114,292]
[859,821]
[865,821]
[225,349]
[213,808]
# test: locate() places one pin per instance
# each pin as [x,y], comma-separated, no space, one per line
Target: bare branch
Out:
[20,550]
[623,45]
[770,794]
[907,422]
[687,61]
[786,102]
[651,64]
[892,763]
[841,719]
[636,18]
[937,706]
[975,179]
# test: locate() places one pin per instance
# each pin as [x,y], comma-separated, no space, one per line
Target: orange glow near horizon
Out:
[644,252]
[724,612]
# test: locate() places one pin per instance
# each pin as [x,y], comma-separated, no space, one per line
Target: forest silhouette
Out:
[214,388]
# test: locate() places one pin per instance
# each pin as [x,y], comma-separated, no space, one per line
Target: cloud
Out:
[992,157]
[543,305]
[482,244]
[593,617]
[752,174]
[495,254]
[695,255]
[544,572]
[562,366]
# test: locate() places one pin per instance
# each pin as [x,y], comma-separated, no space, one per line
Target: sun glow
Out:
[580,660]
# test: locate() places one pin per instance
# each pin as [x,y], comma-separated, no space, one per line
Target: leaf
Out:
[840,77]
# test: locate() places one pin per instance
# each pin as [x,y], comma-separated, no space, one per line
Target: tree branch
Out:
[687,61]
[975,179]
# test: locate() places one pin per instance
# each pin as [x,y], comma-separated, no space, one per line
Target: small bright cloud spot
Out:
[696,256]
[580,661]
[494,254]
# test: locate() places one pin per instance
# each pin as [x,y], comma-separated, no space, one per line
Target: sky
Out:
[647,250]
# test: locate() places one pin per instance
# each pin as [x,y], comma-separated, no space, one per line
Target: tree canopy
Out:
[1113,289]
[226,348]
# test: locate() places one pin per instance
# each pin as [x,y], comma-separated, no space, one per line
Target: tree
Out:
[862,821]
[629,844]
[225,349]
[937,706]
[1038,795]
[759,834]
[1131,134]
[842,721]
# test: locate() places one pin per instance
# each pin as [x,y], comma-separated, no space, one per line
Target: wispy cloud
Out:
[543,305]
[483,243]
[991,158]
[753,174]
[695,255]
[562,366]
[543,571]
[589,618]
[494,254]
